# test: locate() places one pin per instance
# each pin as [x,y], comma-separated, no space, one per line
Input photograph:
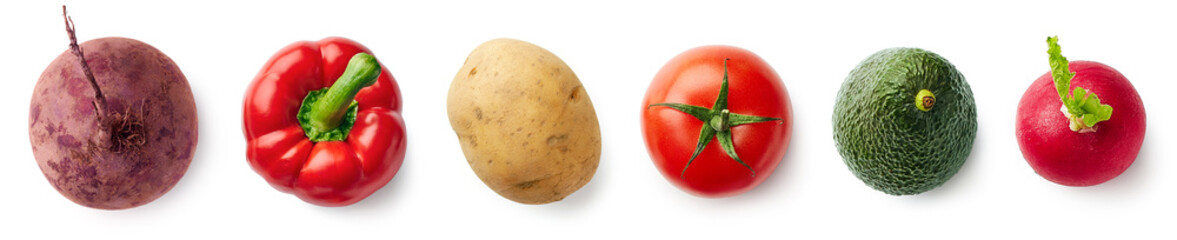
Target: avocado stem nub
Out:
[925,100]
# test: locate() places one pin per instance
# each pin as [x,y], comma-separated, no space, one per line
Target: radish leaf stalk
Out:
[1081,107]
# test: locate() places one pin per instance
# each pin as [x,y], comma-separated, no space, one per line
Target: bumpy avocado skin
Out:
[886,140]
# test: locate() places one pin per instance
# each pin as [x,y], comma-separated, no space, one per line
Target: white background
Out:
[615,47]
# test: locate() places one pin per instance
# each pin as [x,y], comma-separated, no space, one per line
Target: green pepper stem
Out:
[328,111]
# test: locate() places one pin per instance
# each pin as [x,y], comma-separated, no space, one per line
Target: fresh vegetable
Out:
[525,122]
[717,120]
[905,121]
[1082,136]
[112,122]
[323,121]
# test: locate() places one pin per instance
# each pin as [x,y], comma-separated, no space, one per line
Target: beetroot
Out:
[112,123]
[1080,152]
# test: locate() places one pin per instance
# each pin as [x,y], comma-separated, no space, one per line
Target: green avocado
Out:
[904,121]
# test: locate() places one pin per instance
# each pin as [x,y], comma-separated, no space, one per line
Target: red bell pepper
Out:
[337,146]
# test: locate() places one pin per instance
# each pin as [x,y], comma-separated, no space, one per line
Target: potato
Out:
[525,123]
[126,152]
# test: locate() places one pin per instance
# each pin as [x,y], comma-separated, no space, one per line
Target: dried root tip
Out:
[99,99]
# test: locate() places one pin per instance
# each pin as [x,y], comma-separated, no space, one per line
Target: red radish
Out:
[1082,143]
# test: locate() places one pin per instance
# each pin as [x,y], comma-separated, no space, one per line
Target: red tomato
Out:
[672,134]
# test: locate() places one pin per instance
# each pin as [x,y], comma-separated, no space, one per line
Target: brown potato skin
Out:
[63,128]
[524,121]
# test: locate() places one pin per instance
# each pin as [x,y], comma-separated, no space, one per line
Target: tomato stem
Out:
[720,122]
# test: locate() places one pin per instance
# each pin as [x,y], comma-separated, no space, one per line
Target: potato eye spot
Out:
[557,139]
[575,93]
